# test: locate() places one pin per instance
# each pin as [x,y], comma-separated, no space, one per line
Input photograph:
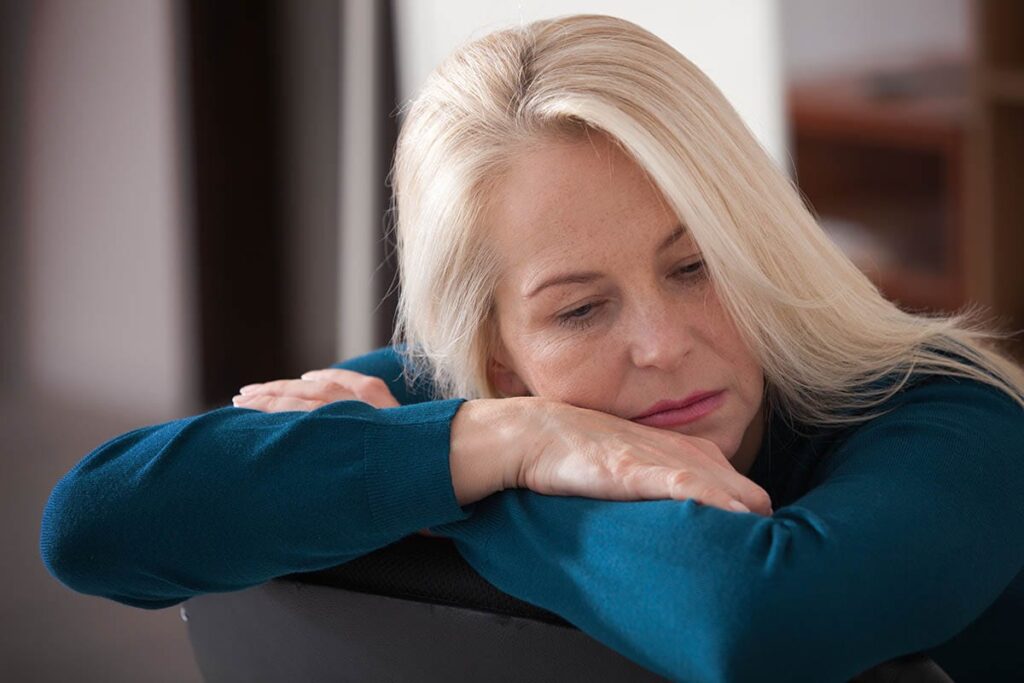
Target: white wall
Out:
[359,172]
[735,43]
[106,289]
[819,36]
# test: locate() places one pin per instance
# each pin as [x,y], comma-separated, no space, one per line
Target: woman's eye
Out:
[694,268]
[578,317]
[583,316]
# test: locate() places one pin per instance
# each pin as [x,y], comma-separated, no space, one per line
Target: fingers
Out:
[300,388]
[684,484]
[744,490]
[759,500]
[269,403]
[740,487]
[630,479]
[725,489]
[366,388]
[327,386]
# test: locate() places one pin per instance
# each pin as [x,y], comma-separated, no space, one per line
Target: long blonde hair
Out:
[822,331]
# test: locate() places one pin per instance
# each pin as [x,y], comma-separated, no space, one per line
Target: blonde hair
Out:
[821,330]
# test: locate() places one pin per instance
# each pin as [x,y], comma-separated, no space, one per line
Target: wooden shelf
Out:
[919,290]
[858,106]
[882,152]
[924,166]
[994,275]
[1003,85]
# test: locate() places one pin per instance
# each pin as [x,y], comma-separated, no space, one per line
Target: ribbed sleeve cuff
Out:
[407,468]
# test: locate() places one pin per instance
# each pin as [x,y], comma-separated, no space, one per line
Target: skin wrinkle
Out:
[653,332]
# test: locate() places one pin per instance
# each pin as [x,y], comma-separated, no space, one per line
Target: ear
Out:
[503,377]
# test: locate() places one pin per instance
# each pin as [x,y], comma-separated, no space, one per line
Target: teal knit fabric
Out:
[904,534]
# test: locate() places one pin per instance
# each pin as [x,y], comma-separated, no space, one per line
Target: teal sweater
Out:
[904,534]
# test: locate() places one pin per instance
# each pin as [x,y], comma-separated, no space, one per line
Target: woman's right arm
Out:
[234,497]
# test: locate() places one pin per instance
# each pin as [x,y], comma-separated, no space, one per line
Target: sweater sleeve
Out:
[915,526]
[234,497]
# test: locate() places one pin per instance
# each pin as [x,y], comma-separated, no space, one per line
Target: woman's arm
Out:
[915,527]
[234,497]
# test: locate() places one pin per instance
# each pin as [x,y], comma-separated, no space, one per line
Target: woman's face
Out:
[602,302]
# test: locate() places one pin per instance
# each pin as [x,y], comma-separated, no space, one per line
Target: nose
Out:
[658,336]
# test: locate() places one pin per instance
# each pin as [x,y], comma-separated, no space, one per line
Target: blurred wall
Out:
[106,287]
[359,217]
[819,36]
[735,43]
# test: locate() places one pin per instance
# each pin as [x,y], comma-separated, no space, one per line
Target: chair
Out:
[413,611]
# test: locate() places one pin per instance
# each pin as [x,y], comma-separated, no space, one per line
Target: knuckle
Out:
[619,463]
[332,390]
[377,386]
[319,389]
[682,479]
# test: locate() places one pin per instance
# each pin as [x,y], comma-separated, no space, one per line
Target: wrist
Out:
[490,442]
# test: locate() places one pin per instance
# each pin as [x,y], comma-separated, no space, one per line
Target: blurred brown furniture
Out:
[995,274]
[919,169]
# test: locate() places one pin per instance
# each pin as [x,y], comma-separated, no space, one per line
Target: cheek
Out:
[571,371]
[727,342]
[752,382]
[745,367]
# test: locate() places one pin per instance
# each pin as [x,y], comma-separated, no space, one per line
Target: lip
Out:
[690,409]
[667,404]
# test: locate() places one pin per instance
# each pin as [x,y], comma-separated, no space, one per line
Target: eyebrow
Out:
[589,276]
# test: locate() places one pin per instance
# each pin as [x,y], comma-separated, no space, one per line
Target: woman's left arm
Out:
[916,527]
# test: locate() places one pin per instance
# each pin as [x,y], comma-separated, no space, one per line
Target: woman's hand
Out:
[573,451]
[316,388]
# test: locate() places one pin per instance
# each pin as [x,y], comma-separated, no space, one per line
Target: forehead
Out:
[575,200]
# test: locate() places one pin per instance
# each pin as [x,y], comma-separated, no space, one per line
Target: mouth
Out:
[674,413]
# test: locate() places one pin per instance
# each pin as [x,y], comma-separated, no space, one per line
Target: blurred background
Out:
[193,197]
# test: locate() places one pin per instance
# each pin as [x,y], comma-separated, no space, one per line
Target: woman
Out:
[589,238]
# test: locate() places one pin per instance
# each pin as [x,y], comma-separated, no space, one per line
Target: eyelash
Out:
[572,320]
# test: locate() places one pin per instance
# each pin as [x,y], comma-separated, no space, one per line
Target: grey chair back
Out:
[413,611]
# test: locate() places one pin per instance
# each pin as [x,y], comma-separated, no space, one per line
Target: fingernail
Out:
[247,388]
[736,505]
[239,399]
